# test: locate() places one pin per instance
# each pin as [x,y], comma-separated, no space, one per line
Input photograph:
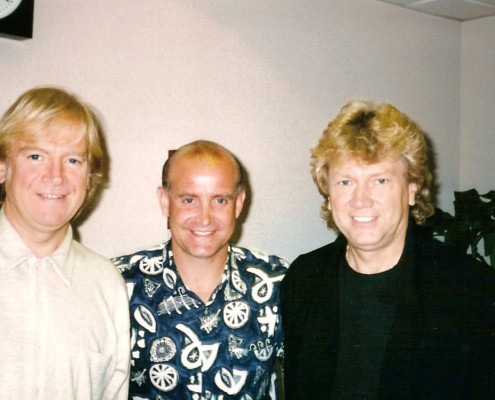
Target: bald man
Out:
[204,314]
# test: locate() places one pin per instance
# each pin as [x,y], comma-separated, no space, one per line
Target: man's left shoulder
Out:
[253,258]
[141,263]
[443,263]
[95,264]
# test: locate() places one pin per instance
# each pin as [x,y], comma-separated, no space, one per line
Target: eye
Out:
[34,157]
[188,200]
[221,200]
[74,161]
[381,181]
[345,182]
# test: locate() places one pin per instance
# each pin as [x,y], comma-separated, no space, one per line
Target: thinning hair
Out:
[202,148]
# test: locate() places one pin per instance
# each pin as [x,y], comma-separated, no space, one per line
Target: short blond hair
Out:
[32,113]
[372,133]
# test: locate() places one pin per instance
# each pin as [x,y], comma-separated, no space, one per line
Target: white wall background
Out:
[478,105]
[263,78]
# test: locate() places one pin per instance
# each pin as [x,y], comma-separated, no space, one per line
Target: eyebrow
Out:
[32,147]
[216,196]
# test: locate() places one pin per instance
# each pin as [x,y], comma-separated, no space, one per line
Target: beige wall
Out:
[478,105]
[263,78]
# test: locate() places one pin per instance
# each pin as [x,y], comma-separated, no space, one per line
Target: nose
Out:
[205,215]
[361,196]
[54,171]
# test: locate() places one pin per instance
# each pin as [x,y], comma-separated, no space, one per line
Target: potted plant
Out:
[471,228]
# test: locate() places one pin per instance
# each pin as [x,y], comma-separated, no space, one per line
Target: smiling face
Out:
[45,180]
[370,203]
[202,207]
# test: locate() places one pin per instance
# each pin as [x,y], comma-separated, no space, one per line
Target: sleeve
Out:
[484,334]
[118,387]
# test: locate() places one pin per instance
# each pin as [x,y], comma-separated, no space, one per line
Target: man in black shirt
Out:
[383,312]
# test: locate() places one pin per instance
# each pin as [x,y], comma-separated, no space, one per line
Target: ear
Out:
[3,172]
[163,199]
[412,189]
[239,203]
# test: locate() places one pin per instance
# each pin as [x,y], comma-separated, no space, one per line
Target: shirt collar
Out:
[227,271]
[14,252]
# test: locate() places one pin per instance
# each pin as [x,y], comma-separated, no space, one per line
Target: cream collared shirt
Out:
[64,323]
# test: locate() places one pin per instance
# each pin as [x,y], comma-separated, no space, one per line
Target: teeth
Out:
[53,196]
[201,233]
[363,219]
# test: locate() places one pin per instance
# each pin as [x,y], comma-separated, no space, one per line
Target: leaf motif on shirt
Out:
[237,282]
[145,318]
[169,277]
[209,320]
[230,382]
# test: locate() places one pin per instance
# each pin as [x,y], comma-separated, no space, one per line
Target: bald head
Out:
[203,150]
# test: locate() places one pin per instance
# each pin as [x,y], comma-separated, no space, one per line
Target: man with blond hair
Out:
[384,312]
[63,308]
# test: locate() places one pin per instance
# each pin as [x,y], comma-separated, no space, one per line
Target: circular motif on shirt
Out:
[236,314]
[151,266]
[162,349]
[164,377]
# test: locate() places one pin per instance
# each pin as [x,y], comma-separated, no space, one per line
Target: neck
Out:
[41,240]
[372,262]
[43,245]
[201,276]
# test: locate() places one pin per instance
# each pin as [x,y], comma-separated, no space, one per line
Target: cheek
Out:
[228,217]
[178,214]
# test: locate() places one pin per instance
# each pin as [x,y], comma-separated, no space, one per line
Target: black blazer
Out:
[442,342]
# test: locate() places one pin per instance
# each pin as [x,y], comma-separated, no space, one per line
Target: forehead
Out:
[391,165]
[188,169]
[56,133]
[63,128]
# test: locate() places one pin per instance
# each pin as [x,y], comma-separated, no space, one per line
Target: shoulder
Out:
[245,258]
[438,265]
[319,259]
[314,271]
[90,258]
[95,266]
[148,261]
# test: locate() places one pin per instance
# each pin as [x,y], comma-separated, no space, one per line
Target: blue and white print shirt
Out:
[183,348]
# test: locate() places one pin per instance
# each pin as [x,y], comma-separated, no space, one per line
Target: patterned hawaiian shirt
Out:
[183,348]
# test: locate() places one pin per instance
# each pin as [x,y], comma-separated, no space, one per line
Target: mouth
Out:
[202,233]
[363,219]
[52,196]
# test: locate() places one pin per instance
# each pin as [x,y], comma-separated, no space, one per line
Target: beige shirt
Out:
[64,323]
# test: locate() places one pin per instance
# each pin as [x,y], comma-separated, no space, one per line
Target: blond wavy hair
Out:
[371,134]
